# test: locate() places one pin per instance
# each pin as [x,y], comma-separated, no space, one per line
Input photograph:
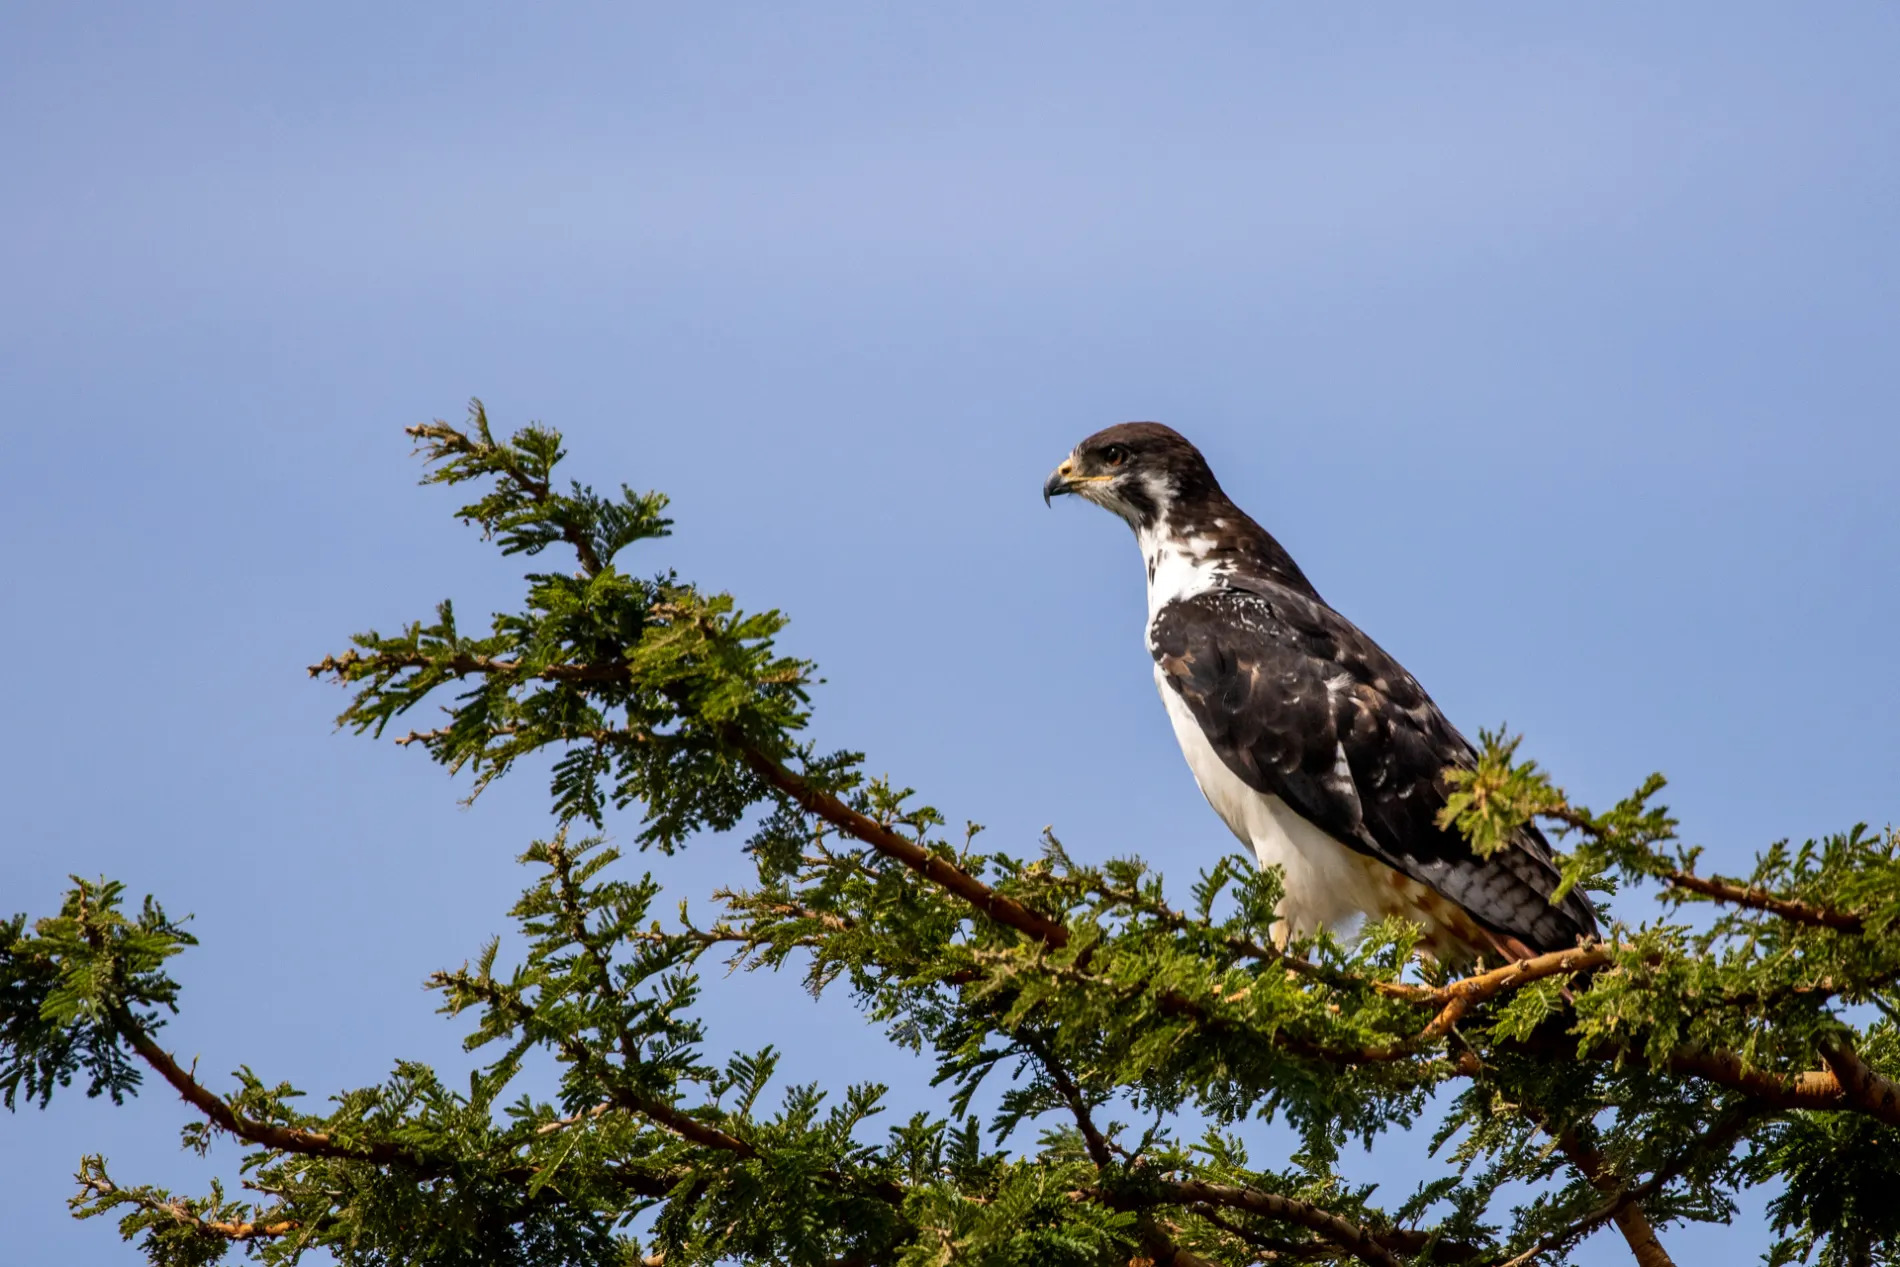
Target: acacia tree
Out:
[1128,1044]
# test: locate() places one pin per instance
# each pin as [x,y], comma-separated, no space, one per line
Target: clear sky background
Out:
[1558,346]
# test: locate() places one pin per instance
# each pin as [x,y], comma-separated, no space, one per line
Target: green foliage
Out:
[645,686]
[1841,1175]
[63,986]
[1128,1047]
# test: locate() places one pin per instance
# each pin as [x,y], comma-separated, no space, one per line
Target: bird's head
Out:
[1139,470]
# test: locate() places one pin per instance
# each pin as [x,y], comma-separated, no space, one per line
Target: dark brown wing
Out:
[1301,705]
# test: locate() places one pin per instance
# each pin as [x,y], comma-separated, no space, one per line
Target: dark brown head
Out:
[1140,470]
[1160,484]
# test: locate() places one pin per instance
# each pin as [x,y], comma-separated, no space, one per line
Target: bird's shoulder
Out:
[1268,631]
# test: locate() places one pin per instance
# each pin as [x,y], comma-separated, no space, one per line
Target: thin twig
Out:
[1730,892]
[1356,1239]
[235,1231]
[1272,1247]
[1092,1137]
[1791,909]
[449,437]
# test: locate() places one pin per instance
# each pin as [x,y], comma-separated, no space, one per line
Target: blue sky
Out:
[1559,347]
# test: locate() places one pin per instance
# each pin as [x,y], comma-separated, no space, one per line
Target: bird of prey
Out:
[1321,753]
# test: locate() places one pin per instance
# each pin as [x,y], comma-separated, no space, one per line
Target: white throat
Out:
[1177,566]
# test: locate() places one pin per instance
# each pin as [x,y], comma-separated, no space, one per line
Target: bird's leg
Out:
[1281,935]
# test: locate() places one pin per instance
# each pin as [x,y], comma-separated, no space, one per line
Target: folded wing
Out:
[1300,704]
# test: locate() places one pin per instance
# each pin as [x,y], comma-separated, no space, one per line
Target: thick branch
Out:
[1628,1215]
[1809,1089]
[1458,997]
[1819,1090]
[1273,1248]
[1861,1087]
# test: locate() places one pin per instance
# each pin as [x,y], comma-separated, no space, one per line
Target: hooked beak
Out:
[1060,481]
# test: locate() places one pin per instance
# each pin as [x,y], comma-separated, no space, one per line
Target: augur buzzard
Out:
[1320,752]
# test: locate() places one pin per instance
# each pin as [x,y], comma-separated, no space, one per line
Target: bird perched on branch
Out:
[1319,751]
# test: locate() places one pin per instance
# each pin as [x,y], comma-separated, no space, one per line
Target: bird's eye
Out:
[1114,455]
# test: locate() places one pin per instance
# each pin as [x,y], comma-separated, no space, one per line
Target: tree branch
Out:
[1092,1137]
[1458,997]
[939,871]
[1809,1089]
[688,1128]
[1727,891]
[235,1231]
[316,1143]
[1720,1137]
[288,1139]
[1861,1087]
[1359,1241]
[1820,1090]
[445,435]
[1399,1240]
[1628,1215]
[1272,1248]
[1789,909]
[624,1097]
[575,1119]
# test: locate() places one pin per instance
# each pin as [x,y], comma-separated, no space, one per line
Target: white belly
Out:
[1327,884]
